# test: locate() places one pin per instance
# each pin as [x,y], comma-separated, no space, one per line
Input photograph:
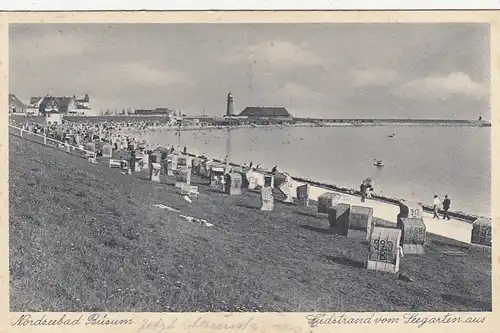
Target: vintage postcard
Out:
[249,171]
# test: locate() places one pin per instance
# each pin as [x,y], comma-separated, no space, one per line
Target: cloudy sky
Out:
[315,70]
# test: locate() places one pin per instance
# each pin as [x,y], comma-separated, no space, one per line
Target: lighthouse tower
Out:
[229,109]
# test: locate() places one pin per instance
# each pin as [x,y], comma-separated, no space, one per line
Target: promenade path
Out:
[454,229]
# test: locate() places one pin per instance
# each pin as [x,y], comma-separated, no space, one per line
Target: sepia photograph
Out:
[249,167]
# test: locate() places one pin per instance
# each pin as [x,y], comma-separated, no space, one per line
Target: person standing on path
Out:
[363,189]
[446,207]
[435,207]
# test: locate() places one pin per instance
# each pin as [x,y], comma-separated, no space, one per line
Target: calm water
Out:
[419,161]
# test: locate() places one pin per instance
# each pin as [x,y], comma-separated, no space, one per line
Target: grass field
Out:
[84,237]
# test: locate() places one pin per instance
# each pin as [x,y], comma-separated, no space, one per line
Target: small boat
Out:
[378,164]
[392,135]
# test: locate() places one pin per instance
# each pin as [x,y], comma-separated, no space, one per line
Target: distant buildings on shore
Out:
[15,105]
[66,105]
[155,112]
[250,115]
[255,112]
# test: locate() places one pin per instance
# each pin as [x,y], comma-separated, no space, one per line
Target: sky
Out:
[361,70]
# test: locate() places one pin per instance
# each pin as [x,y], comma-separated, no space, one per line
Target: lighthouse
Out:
[229,109]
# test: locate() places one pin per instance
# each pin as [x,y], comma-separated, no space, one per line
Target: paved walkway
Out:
[455,229]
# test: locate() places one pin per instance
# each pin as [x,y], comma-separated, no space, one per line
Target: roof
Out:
[85,99]
[52,112]
[156,111]
[14,101]
[264,111]
[35,100]
[61,103]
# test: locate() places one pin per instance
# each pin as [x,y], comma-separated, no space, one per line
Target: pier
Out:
[395,122]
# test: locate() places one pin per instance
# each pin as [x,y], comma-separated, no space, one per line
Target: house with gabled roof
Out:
[51,104]
[64,105]
[265,112]
[33,107]
[265,115]
[15,105]
[155,112]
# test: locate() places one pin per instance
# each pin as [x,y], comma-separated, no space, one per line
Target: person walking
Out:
[363,190]
[435,207]
[446,207]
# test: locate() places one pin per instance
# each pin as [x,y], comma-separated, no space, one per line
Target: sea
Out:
[418,161]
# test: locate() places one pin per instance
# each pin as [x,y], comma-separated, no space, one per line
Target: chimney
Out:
[229,110]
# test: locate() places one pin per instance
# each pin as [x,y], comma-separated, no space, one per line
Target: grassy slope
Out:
[87,238]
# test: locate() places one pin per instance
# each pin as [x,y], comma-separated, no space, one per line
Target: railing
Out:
[49,142]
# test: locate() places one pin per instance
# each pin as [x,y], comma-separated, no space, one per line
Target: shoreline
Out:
[163,125]
[133,134]
[459,215]
[166,128]
[298,180]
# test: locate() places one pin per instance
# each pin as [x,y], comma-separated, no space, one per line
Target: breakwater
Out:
[396,122]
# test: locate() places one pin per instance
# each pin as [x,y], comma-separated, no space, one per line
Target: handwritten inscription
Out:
[200,323]
[288,328]
[206,324]
[157,325]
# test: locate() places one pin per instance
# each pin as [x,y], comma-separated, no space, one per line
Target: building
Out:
[265,115]
[155,112]
[34,106]
[15,105]
[229,107]
[66,105]
[199,120]
[84,102]
[82,106]
[266,112]
[53,118]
